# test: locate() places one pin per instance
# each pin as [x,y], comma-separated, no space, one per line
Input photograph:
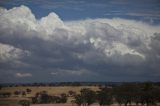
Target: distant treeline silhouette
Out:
[73,84]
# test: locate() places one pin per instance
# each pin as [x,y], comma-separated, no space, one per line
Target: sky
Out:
[79,40]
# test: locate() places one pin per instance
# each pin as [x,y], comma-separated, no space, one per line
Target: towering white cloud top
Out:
[85,43]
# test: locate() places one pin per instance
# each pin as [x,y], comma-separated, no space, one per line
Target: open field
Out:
[57,90]
[69,104]
[51,90]
[13,99]
[66,104]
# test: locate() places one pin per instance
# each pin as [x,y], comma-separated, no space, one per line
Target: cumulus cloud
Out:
[9,53]
[106,47]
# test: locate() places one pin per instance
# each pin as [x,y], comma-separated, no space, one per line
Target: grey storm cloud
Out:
[91,50]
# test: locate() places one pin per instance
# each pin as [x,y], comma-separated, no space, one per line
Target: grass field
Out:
[66,104]
[50,90]
[57,90]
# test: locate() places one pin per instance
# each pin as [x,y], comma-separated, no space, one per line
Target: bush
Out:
[44,98]
[71,93]
[104,97]
[89,96]
[28,90]
[78,99]
[63,98]
[17,93]
[24,103]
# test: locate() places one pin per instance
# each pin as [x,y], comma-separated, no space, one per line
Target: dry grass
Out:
[66,104]
[51,90]
[69,104]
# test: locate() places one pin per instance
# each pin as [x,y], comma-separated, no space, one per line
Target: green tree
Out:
[78,99]
[124,94]
[89,96]
[17,93]
[104,97]
[23,93]
[63,98]
[28,90]
[44,98]
[148,93]
[24,103]
[71,93]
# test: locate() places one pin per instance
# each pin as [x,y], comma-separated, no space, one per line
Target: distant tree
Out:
[37,98]
[23,93]
[78,99]
[89,96]
[34,100]
[145,93]
[44,97]
[28,90]
[17,93]
[124,94]
[6,94]
[137,98]
[41,97]
[156,93]
[104,97]
[148,94]
[63,98]
[71,93]
[24,103]
[56,99]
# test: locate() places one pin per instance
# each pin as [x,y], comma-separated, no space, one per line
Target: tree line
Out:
[65,84]
[139,94]
[44,98]
[124,94]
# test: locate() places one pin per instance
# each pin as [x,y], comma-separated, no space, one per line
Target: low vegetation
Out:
[44,98]
[124,94]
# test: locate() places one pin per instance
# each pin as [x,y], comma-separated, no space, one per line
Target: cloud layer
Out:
[21,75]
[91,50]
